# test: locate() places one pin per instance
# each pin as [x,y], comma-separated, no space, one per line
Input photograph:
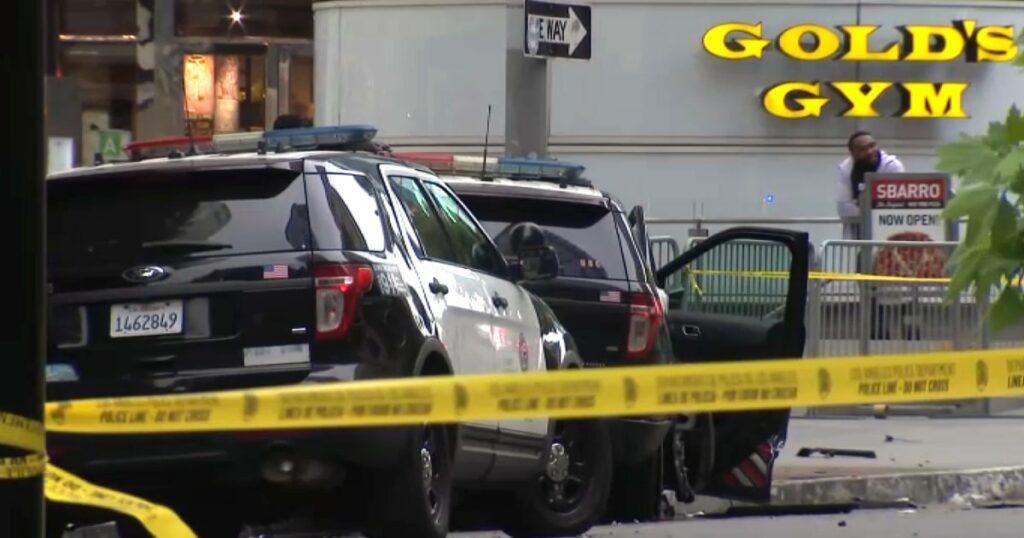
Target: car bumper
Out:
[636,438]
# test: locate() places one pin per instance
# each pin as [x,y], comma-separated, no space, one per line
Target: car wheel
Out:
[571,493]
[415,498]
[636,490]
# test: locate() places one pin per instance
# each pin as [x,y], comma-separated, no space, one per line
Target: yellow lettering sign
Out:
[813,42]
[933,100]
[806,98]
[861,96]
[797,100]
[823,43]
[858,46]
[718,43]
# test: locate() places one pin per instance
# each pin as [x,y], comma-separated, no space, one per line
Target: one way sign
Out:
[556,30]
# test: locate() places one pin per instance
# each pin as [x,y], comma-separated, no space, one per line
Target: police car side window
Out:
[424,219]
[470,242]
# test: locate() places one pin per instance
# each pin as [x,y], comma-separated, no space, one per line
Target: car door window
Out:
[470,243]
[741,277]
[432,239]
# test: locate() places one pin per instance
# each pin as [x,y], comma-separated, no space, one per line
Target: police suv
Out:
[292,257]
[623,310]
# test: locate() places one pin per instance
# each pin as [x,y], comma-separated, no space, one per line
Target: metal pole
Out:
[526,92]
[22,216]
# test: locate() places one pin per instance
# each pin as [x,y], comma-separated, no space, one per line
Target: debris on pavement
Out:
[805,452]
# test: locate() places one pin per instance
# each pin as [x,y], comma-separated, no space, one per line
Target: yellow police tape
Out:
[61,486]
[614,391]
[823,275]
[729,386]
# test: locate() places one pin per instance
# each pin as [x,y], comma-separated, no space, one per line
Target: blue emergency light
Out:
[333,137]
[564,173]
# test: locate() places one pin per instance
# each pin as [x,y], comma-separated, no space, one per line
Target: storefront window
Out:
[300,86]
[97,18]
[225,93]
[105,76]
[265,18]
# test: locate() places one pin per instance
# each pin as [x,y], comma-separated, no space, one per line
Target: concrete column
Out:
[527,96]
[159,93]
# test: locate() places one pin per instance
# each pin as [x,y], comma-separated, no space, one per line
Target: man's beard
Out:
[859,169]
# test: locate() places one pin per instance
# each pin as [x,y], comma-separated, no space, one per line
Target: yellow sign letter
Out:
[826,44]
[932,100]
[718,43]
[862,103]
[858,45]
[806,97]
[918,41]
[993,44]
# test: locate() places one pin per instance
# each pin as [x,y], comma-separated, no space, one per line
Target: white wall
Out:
[655,119]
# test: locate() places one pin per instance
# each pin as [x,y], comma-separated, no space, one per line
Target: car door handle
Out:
[500,302]
[691,331]
[437,287]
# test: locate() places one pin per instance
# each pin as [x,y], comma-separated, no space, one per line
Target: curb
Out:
[920,488]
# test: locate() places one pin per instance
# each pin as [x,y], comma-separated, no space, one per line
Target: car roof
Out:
[358,162]
[525,188]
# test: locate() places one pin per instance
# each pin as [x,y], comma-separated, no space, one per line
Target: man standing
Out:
[865,156]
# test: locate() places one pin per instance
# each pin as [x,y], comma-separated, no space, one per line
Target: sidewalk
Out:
[923,460]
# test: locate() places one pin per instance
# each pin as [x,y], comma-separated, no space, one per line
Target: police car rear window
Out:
[155,215]
[583,235]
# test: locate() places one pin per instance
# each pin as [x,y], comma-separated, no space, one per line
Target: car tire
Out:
[636,490]
[414,499]
[570,494]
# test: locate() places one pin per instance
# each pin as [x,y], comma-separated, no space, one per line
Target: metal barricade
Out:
[862,317]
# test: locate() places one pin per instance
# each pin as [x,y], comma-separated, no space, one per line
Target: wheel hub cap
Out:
[428,466]
[558,463]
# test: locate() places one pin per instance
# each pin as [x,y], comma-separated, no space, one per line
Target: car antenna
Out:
[487,136]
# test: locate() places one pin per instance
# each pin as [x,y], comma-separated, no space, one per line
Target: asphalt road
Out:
[932,522]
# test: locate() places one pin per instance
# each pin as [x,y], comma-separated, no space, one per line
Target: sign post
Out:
[538,30]
[23,216]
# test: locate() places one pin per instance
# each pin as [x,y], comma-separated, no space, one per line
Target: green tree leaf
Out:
[1010,166]
[969,158]
[991,270]
[974,201]
[1008,309]
[1014,125]
[1006,231]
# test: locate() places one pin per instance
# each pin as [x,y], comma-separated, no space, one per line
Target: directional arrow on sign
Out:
[555,30]
[569,31]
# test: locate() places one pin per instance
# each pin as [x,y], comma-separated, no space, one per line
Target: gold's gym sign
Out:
[852,43]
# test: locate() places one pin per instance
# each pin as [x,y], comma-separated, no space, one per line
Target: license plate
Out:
[145,319]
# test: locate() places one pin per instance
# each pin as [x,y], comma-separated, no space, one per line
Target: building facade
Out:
[129,69]
[725,108]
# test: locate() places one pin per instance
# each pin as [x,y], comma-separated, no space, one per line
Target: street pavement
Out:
[931,522]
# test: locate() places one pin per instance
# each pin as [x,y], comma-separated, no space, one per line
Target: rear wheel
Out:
[415,498]
[570,495]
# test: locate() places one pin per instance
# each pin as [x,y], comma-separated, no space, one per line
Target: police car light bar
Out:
[237,142]
[319,137]
[450,163]
[162,147]
[565,173]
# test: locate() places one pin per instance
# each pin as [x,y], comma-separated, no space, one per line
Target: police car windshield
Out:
[117,218]
[583,235]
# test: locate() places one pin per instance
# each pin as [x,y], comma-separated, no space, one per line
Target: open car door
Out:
[740,294]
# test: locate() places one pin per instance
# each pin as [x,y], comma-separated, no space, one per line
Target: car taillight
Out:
[644,319]
[338,290]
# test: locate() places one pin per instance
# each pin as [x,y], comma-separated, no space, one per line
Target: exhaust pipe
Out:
[282,466]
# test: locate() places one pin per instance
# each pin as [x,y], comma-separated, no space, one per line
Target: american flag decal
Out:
[275,271]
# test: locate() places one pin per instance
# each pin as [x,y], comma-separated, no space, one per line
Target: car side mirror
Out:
[538,263]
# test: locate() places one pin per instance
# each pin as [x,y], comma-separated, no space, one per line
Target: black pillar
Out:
[22,161]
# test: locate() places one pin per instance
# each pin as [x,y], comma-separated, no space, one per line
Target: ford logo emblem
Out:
[144,273]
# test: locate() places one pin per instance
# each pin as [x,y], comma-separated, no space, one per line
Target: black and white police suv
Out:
[622,311]
[303,260]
